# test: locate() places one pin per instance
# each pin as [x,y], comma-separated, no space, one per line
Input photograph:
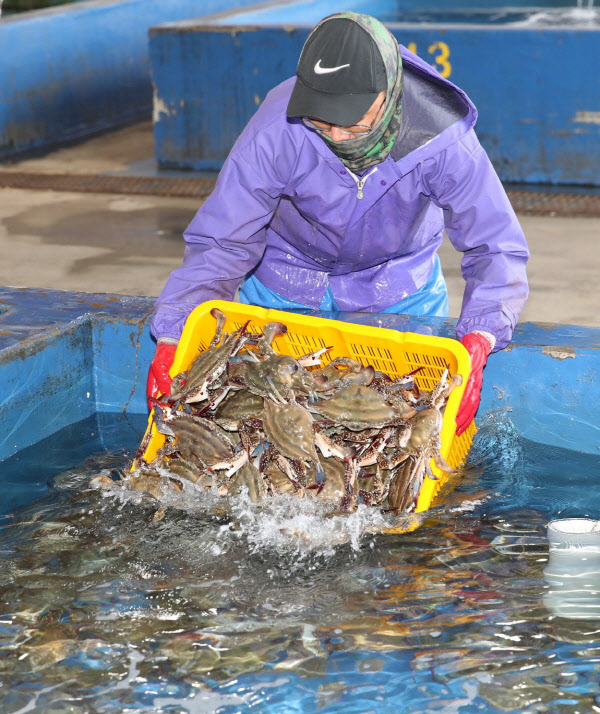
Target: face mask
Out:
[365,151]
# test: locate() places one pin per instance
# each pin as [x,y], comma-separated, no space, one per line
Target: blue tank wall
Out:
[67,356]
[74,70]
[536,90]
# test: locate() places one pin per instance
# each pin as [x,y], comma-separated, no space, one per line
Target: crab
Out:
[276,477]
[360,408]
[377,492]
[289,427]
[351,492]
[152,482]
[237,407]
[192,385]
[333,488]
[399,497]
[188,471]
[423,445]
[195,438]
[395,448]
[332,378]
[249,477]
[272,378]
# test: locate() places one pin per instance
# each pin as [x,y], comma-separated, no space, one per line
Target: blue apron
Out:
[431,299]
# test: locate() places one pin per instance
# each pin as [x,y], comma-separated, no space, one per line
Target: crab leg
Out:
[442,464]
[285,466]
[350,499]
[221,319]
[370,456]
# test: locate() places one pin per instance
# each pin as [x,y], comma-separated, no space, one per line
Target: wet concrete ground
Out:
[129,244]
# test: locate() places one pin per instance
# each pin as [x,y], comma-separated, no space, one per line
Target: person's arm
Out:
[481,223]
[225,240]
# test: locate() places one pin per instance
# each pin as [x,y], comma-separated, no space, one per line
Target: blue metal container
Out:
[532,74]
[70,71]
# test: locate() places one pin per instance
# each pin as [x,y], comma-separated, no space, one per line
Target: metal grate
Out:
[87,183]
[535,203]
[555,204]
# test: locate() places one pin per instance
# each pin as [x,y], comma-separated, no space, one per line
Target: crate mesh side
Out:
[380,358]
[434,367]
[460,446]
[301,344]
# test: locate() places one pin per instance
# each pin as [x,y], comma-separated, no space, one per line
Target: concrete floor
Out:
[128,244]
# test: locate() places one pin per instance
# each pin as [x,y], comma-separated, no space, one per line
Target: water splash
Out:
[288,524]
[283,523]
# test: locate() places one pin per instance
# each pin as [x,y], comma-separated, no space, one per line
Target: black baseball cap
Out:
[339,75]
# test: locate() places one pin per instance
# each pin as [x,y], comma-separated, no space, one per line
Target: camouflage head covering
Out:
[365,151]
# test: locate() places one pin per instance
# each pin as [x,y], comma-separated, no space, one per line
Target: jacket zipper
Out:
[360,182]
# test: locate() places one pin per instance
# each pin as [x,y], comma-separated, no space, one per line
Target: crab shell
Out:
[152,482]
[426,428]
[399,493]
[271,378]
[358,408]
[289,427]
[250,478]
[334,488]
[199,440]
[242,404]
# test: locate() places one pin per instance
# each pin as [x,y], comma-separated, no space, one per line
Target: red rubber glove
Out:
[159,381]
[479,348]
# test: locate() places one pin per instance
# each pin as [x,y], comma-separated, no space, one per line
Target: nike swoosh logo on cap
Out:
[327,70]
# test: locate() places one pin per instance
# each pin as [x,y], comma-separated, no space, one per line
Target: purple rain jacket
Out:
[285,206]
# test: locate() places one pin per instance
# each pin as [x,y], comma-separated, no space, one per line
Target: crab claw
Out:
[232,465]
[272,330]
[313,359]
[159,420]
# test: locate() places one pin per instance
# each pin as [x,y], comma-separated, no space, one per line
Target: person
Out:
[336,196]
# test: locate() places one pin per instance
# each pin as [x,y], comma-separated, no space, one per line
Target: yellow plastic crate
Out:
[389,351]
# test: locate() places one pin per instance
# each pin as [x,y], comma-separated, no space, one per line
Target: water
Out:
[215,609]
[583,14]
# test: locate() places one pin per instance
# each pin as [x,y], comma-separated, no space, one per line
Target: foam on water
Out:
[303,525]
[584,14]
[281,523]
[563,17]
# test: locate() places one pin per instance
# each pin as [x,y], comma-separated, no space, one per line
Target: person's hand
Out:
[479,347]
[159,381]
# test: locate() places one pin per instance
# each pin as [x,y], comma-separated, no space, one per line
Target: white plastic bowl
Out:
[573,570]
[574,533]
